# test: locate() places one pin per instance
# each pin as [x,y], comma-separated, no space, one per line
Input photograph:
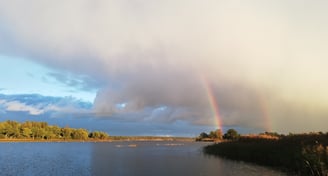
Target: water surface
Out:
[119,158]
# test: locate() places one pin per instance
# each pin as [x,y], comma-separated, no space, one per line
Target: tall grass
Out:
[303,154]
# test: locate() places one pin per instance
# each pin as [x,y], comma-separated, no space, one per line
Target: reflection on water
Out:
[118,158]
[165,158]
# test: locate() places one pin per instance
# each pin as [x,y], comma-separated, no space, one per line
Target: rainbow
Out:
[213,103]
[264,112]
[262,103]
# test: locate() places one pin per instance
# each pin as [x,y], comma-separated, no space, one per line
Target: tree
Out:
[67,132]
[231,134]
[80,134]
[98,135]
[41,130]
[38,133]
[26,132]
[56,131]
[203,135]
[217,134]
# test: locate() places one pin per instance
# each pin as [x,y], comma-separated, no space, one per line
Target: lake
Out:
[119,158]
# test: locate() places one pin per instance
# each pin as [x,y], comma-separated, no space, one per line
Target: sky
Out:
[166,67]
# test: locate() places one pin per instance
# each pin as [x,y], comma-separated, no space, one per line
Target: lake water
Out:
[119,159]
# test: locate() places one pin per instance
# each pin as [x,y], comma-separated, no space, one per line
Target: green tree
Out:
[26,132]
[56,131]
[98,135]
[67,132]
[41,130]
[80,134]
[231,134]
[13,130]
[38,133]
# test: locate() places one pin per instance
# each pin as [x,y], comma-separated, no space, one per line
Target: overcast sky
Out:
[145,62]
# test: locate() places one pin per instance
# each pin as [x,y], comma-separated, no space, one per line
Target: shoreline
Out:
[302,154]
[111,139]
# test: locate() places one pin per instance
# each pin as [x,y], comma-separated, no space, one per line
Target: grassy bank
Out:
[305,154]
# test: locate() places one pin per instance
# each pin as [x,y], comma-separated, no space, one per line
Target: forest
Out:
[42,131]
[300,154]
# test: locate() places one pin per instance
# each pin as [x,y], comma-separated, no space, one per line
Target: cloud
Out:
[80,82]
[154,54]
[17,106]
[35,104]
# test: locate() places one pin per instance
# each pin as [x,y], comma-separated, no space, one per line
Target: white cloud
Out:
[38,105]
[17,106]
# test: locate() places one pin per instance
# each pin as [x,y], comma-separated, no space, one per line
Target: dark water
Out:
[119,158]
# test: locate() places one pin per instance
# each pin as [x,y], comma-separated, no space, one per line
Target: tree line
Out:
[217,135]
[41,130]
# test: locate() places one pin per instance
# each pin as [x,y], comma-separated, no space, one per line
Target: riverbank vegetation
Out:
[303,154]
[28,131]
[215,135]
[218,136]
[12,131]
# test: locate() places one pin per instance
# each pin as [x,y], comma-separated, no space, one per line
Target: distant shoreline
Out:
[111,139]
[29,131]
